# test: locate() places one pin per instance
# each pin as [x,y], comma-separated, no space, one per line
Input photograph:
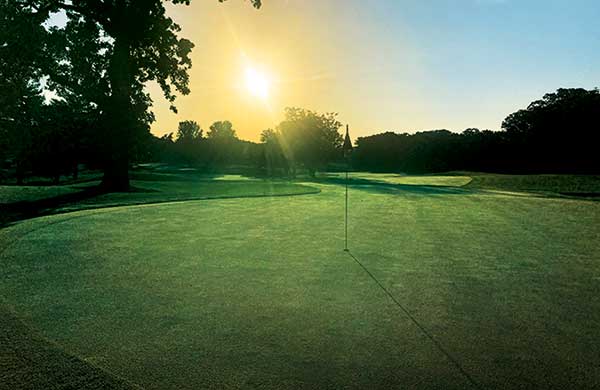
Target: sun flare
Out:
[257,83]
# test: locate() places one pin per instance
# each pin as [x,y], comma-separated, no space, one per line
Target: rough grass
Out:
[14,194]
[577,185]
[257,293]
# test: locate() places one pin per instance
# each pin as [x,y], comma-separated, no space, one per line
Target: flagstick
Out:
[347,149]
[346,236]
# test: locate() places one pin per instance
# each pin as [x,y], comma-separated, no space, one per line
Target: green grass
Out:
[168,191]
[21,202]
[392,178]
[583,185]
[28,360]
[14,194]
[257,292]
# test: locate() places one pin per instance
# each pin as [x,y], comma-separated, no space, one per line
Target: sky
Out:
[383,65]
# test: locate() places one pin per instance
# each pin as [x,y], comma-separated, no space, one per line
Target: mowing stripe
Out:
[421,327]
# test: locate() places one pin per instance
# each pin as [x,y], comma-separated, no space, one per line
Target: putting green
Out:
[257,293]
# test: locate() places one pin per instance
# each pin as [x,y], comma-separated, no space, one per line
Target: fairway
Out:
[258,293]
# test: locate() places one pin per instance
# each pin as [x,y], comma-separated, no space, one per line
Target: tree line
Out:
[559,133]
[75,94]
[304,141]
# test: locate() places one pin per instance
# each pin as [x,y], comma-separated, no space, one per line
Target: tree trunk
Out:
[119,120]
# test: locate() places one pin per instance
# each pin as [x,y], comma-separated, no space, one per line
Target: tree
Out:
[222,131]
[188,132]
[142,46]
[22,48]
[309,139]
[189,144]
[273,157]
[223,144]
[557,133]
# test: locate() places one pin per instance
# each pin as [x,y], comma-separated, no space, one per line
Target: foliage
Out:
[558,134]
[188,132]
[103,58]
[22,48]
[222,131]
[309,139]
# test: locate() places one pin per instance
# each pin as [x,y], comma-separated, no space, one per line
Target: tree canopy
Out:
[188,132]
[103,58]
[556,134]
[309,139]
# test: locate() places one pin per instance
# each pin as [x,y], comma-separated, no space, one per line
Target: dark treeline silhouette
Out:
[218,150]
[305,141]
[558,134]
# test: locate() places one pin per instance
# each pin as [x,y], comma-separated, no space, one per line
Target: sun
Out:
[257,83]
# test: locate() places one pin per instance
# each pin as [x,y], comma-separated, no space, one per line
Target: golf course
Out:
[447,284]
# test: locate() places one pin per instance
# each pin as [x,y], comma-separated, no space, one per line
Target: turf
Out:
[420,180]
[577,185]
[28,360]
[157,191]
[14,194]
[21,202]
[257,292]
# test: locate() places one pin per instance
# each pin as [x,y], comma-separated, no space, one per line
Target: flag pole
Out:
[347,149]
[346,236]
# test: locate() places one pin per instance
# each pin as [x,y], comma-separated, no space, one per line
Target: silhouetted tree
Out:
[273,158]
[189,143]
[557,133]
[221,131]
[222,144]
[309,139]
[188,132]
[142,46]
[22,48]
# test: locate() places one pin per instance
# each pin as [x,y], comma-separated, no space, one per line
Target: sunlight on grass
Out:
[259,289]
[424,180]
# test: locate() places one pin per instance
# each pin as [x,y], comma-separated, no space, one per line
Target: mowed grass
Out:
[393,178]
[576,185]
[257,292]
[21,202]
[29,360]
[14,194]
[148,191]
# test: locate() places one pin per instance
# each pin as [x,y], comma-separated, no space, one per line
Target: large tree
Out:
[223,144]
[188,132]
[309,139]
[273,157]
[558,133]
[142,45]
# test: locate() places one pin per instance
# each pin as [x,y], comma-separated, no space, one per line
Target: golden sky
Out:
[383,65]
[329,66]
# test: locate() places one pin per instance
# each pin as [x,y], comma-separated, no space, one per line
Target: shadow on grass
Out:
[177,176]
[398,189]
[12,212]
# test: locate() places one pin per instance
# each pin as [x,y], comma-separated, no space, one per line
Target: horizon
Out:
[328,58]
